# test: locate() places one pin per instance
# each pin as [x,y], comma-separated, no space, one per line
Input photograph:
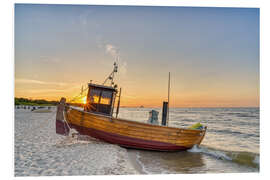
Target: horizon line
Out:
[141,106]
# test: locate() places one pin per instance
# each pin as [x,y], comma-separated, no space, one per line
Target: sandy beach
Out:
[39,151]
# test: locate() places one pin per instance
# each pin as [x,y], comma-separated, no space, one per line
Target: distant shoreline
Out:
[36,102]
[183,107]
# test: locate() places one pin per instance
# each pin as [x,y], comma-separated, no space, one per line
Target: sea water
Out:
[231,143]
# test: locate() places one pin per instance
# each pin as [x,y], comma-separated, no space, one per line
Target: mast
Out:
[169,84]
[111,76]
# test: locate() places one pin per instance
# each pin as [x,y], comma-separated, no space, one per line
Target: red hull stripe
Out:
[127,141]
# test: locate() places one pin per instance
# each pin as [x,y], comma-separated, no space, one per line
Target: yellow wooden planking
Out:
[134,123]
[127,128]
[139,135]
[127,132]
[130,129]
[142,125]
[178,136]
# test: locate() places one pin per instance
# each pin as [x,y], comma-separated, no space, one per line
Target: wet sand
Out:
[39,151]
[133,158]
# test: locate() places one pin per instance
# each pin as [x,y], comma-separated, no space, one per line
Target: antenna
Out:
[169,86]
[111,76]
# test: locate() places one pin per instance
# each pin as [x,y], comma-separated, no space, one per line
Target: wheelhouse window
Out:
[94,95]
[98,96]
[106,97]
[100,100]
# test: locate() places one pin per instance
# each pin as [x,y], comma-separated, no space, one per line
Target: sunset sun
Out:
[84,100]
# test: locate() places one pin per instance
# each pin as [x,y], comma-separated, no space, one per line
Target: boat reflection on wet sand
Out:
[182,162]
[154,162]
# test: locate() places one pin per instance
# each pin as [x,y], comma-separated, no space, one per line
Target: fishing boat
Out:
[99,119]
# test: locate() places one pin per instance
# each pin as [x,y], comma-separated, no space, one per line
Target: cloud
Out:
[129,97]
[112,50]
[47,59]
[32,81]
[115,53]
[46,91]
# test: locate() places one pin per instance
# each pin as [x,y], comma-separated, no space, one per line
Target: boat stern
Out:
[61,125]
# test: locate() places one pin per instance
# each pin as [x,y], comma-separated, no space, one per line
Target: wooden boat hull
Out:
[126,141]
[129,133]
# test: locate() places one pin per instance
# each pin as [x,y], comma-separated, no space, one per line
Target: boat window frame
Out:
[100,91]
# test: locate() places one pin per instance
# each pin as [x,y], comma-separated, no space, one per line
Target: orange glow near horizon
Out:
[151,94]
[155,99]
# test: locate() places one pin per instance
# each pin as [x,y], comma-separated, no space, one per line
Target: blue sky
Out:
[212,53]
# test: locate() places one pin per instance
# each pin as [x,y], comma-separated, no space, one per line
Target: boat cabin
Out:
[100,99]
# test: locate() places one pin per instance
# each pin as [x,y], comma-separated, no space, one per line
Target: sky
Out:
[211,53]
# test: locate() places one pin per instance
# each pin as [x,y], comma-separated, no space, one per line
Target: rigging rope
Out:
[78,96]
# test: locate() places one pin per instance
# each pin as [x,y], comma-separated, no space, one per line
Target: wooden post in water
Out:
[164,113]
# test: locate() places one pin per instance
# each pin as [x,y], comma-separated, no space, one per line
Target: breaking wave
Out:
[243,158]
